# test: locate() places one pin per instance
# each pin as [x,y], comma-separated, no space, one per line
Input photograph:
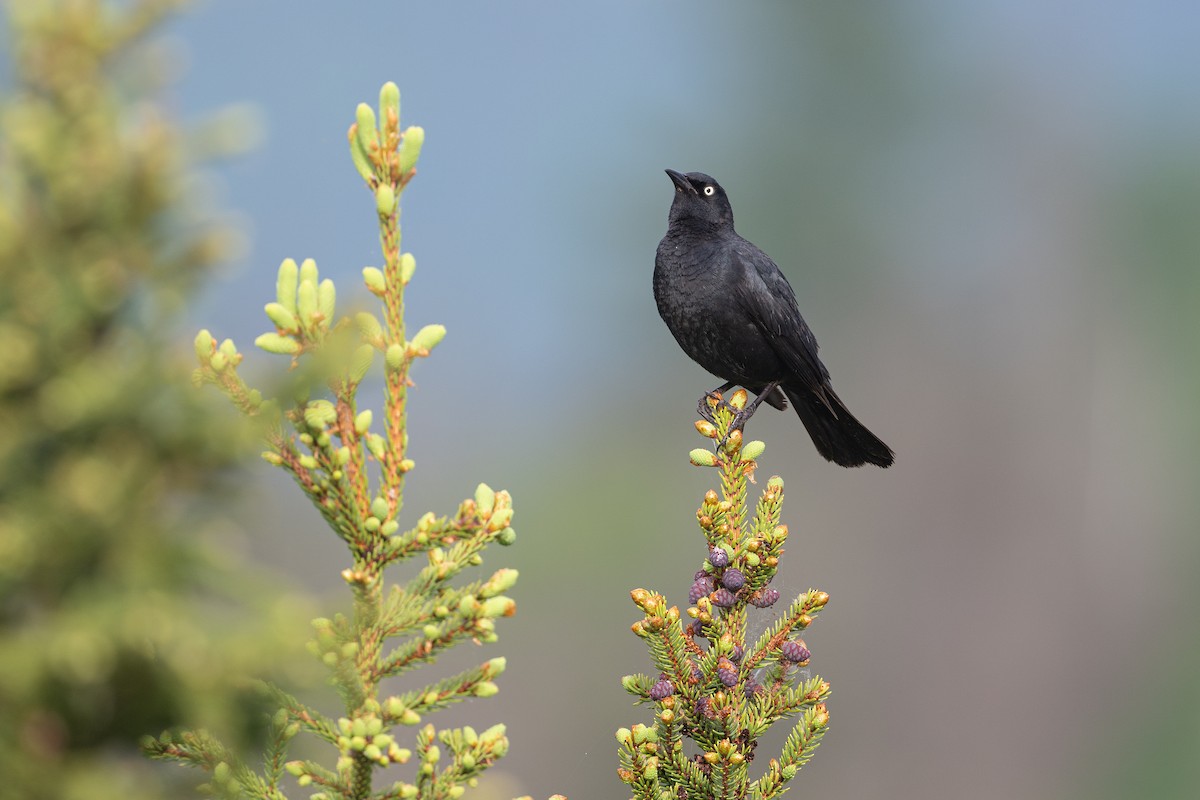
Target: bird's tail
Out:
[839,437]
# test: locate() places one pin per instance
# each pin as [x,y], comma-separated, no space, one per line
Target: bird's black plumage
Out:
[734,313]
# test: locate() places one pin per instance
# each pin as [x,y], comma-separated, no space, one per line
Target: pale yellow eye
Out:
[709,191]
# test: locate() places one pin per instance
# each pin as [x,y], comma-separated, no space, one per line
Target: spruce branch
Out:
[714,689]
[354,476]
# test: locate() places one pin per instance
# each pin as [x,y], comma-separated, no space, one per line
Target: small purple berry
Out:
[733,579]
[700,588]
[728,677]
[704,707]
[663,689]
[697,675]
[696,628]
[753,688]
[718,558]
[765,598]
[795,651]
[723,598]
[736,655]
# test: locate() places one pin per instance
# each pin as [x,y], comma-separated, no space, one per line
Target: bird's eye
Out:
[709,191]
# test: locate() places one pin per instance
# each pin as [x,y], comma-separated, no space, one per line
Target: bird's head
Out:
[699,198]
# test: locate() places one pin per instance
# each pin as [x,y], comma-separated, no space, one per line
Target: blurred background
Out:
[990,213]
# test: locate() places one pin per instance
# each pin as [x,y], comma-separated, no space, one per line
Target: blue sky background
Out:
[988,211]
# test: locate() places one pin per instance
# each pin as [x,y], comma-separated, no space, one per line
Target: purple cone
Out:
[733,579]
[794,651]
[765,598]
[663,689]
[723,598]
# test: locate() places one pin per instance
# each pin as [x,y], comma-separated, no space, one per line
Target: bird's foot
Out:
[742,415]
[740,418]
[709,403]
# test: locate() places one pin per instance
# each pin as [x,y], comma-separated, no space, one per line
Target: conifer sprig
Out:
[715,693]
[354,476]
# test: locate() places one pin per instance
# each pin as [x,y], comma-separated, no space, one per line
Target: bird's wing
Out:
[767,297]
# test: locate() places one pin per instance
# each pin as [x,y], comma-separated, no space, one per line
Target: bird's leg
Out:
[704,409]
[742,417]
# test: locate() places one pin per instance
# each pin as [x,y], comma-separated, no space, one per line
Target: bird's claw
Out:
[740,418]
[707,410]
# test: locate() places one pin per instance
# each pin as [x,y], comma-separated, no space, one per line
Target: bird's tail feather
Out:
[839,437]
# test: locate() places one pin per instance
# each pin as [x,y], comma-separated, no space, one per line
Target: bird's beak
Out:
[681,183]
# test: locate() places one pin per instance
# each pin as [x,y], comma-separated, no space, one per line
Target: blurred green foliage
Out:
[117,616]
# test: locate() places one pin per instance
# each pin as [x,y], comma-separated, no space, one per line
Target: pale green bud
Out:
[500,519]
[375,282]
[428,338]
[408,265]
[469,604]
[752,450]
[501,581]
[326,298]
[286,282]
[499,607]
[379,506]
[485,499]
[385,199]
[775,482]
[204,345]
[282,318]
[410,148]
[362,161]
[702,458]
[496,667]
[368,325]
[296,768]
[485,689]
[377,445]
[308,271]
[220,361]
[320,413]
[367,132]
[394,356]
[389,101]
[306,302]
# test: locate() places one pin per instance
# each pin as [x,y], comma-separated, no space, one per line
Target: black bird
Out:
[734,313]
